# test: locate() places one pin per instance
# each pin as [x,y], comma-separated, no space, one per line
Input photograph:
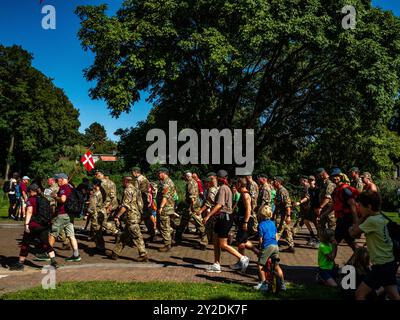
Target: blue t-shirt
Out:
[267,231]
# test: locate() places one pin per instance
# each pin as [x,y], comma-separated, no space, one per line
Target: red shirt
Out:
[23,187]
[64,190]
[31,202]
[200,186]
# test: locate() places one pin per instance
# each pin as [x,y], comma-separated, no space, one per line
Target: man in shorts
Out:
[62,220]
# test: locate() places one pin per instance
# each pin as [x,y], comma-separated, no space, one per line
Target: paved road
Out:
[182,264]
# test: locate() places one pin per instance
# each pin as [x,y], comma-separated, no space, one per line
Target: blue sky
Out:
[58,53]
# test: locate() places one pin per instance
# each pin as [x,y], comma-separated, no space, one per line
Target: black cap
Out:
[222,174]
[96,182]
[163,169]
[33,187]
[279,179]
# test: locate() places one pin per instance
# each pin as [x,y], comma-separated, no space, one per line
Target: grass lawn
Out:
[112,290]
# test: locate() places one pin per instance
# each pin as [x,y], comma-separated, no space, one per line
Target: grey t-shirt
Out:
[224,197]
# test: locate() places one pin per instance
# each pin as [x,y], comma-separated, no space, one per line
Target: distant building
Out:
[104,157]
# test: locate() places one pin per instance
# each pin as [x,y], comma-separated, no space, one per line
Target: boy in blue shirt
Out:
[267,233]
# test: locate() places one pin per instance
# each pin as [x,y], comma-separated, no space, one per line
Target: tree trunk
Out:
[10,150]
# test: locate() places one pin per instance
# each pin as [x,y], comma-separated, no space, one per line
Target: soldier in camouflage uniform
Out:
[304,204]
[165,207]
[190,212]
[96,211]
[283,206]
[264,196]
[143,184]
[132,206]
[209,202]
[252,187]
[356,181]
[325,213]
[111,202]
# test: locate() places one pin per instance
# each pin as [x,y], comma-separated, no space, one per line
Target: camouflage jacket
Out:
[253,190]
[166,189]
[358,184]
[211,193]
[305,206]
[282,200]
[326,190]
[111,192]
[129,199]
[192,191]
[95,203]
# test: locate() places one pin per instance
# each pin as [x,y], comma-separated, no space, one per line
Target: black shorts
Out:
[243,236]
[342,229]
[223,224]
[310,215]
[382,275]
[12,198]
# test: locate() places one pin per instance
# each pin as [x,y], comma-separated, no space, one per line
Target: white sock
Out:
[52,254]
[76,252]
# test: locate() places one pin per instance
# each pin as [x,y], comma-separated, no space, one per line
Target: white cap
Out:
[25,178]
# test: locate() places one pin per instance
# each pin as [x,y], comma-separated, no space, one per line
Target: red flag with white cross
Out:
[87,160]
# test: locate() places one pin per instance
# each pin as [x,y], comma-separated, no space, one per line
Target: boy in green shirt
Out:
[326,258]
[380,247]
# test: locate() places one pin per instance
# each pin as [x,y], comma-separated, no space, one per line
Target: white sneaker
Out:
[283,286]
[216,268]
[258,286]
[237,266]
[245,263]
[264,287]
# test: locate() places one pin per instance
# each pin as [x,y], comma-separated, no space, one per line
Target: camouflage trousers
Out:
[164,225]
[284,228]
[96,222]
[131,231]
[255,225]
[198,222]
[327,220]
[108,223]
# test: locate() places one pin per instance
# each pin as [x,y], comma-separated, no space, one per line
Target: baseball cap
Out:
[222,174]
[366,175]
[33,187]
[61,176]
[25,178]
[335,172]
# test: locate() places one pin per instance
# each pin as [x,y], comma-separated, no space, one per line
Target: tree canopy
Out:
[96,134]
[36,116]
[315,93]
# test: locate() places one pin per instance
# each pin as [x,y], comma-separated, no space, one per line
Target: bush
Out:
[389,191]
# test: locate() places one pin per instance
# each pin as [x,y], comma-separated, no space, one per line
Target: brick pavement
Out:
[181,264]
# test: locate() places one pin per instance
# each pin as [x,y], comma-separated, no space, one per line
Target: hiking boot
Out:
[74,258]
[112,255]
[289,250]
[54,264]
[143,258]
[216,268]
[66,247]
[264,287]
[42,257]
[166,248]
[244,261]
[17,267]
[237,266]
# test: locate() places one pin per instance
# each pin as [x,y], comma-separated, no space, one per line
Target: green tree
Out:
[286,68]
[97,134]
[37,119]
